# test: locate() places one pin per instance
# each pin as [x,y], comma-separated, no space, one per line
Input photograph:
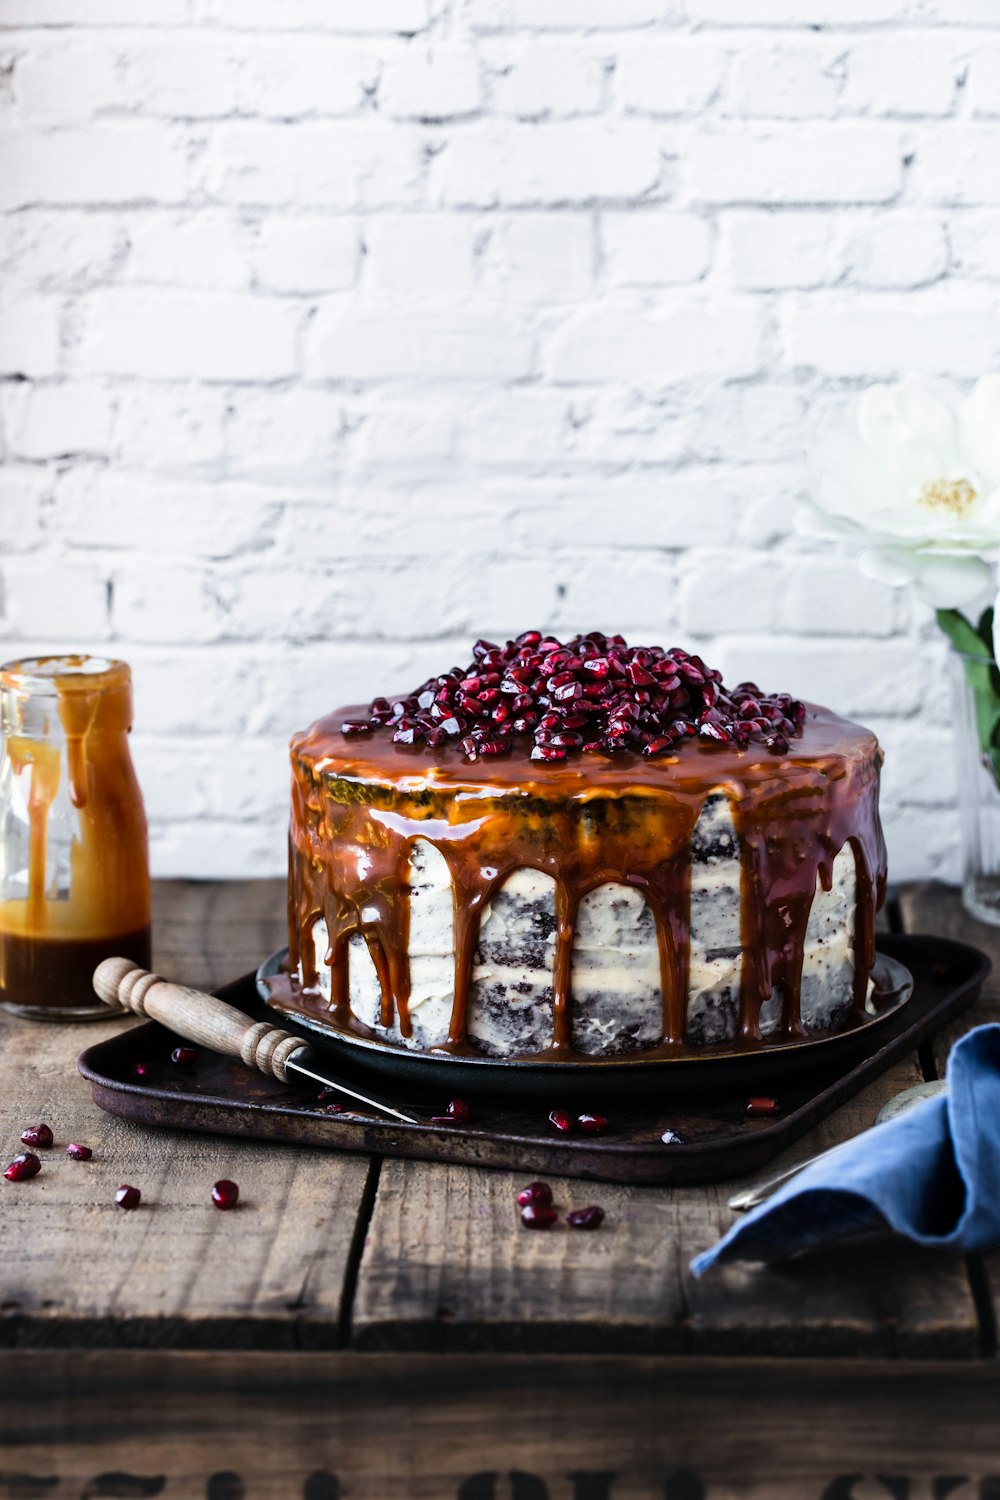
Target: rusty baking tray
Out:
[715,1137]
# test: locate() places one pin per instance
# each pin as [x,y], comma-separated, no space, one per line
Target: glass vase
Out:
[976,700]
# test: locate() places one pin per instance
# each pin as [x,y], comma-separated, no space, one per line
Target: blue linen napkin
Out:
[931,1174]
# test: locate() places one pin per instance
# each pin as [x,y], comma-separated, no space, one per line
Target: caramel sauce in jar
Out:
[74,862]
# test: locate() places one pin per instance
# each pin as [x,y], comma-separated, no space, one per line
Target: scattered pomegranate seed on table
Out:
[535,1192]
[22,1167]
[335,1108]
[78,1152]
[586,1218]
[538,1216]
[184,1057]
[671,1138]
[37,1135]
[562,1120]
[762,1105]
[592,1124]
[225,1194]
[594,693]
[128,1196]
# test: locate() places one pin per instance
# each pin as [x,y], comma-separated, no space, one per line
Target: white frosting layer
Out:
[617,1005]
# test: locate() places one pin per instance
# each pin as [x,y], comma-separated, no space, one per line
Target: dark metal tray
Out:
[717,1137]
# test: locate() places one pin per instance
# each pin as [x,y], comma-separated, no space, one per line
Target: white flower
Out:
[914,472]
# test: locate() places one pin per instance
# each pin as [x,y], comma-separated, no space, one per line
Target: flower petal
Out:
[945,582]
[891,565]
[981,430]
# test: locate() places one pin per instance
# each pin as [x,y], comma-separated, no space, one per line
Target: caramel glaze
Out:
[43,942]
[359,805]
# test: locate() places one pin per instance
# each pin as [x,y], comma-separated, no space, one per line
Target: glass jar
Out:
[74,860]
[976,700]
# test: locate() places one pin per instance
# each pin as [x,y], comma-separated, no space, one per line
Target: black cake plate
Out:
[715,1138]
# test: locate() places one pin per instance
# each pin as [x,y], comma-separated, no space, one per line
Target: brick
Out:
[878,338]
[726,593]
[549,80]
[288,77]
[304,253]
[897,250]
[679,510]
[202,250]
[408,434]
[772,250]
[857,677]
[160,600]
[170,428]
[574,161]
[568,15]
[655,249]
[829,596]
[362,345]
[24,492]
[523,427]
[190,77]
[297,436]
[94,12]
[316,163]
[925,755]
[819,164]
[55,421]
[664,76]
[541,258]
[425,257]
[975,242]
[29,337]
[60,81]
[638,344]
[898,74]
[122,163]
[958,167]
[637,590]
[798,83]
[217,849]
[928,846]
[50,251]
[180,336]
[117,510]
[440,84]
[345,16]
[54,601]
[797,12]
[984,79]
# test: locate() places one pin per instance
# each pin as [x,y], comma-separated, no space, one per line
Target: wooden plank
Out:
[176,1272]
[323,1426]
[206,933]
[448,1266]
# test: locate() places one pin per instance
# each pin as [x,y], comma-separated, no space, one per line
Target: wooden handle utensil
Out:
[210,1021]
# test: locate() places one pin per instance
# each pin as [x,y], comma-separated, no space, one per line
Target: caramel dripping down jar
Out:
[74,856]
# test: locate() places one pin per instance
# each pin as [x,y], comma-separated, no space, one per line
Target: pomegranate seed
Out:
[128,1196]
[334,1109]
[535,1192]
[592,1124]
[78,1152]
[22,1167]
[356,726]
[184,1057]
[671,1138]
[141,1070]
[586,1218]
[225,1194]
[562,1120]
[761,1104]
[457,1113]
[538,1216]
[37,1135]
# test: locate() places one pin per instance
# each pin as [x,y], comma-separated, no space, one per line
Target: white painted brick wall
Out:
[333,334]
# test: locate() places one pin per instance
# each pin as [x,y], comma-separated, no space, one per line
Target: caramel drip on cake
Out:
[358,810]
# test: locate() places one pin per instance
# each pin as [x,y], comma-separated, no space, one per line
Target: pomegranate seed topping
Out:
[593,694]
[586,1218]
[562,1120]
[78,1152]
[671,1138]
[592,1124]
[128,1196]
[538,1216]
[225,1194]
[761,1104]
[141,1070]
[184,1057]
[37,1135]
[535,1192]
[22,1167]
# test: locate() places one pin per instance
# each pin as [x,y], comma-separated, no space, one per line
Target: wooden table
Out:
[380,1329]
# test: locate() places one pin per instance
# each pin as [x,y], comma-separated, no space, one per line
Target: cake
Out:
[582,851]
